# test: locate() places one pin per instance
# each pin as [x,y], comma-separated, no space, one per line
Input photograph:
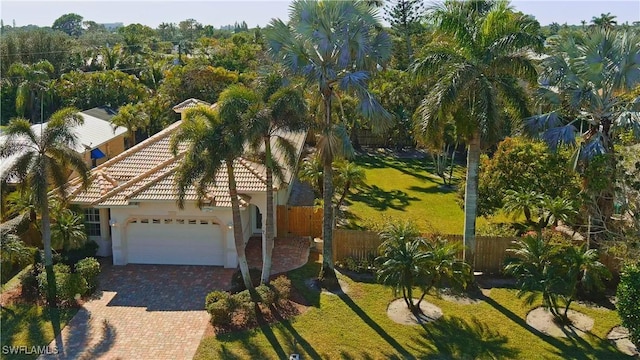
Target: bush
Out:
[69,287]
[266,294]
[628,304]
[358,265]
[29,282]
[71,257]
[89,269]
[222,311]
[282,288]
[214,297]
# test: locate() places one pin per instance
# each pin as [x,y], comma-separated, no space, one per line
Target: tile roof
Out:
[146,172]
[189,103]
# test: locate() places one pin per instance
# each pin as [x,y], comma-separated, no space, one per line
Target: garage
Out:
[174,242]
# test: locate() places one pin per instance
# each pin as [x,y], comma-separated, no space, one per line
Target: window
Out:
[92,221]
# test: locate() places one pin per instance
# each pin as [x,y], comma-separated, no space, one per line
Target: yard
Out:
[356,326]
[399,188]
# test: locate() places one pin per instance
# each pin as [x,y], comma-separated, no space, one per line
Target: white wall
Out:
[122,215]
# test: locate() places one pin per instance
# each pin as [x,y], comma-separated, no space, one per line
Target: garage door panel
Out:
[178,244]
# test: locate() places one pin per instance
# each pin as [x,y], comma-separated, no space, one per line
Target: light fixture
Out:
[113,223]
[230,225]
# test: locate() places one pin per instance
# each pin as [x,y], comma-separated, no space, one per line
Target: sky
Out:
[259,12]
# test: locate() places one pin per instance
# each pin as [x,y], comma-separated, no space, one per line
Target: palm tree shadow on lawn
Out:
[577,348]
[456,338]
[381,200]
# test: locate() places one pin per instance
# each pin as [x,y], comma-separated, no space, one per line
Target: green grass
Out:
[356,326]
[15,280]
[406,189]
[25,324]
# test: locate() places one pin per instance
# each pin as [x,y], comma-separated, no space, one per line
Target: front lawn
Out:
[355,326]
[406,189]
[27,324]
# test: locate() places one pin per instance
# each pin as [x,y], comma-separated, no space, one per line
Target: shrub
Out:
[266,294]
[89,269]
[69,287]
[282,288]
[71,257]
[222,311]
[29,282]
[214,297]
[245,305]
[628,304]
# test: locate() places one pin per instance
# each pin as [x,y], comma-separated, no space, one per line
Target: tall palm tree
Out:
[215,138]
[584,81]
[280,109]
[134,118]
[43,159]
[336,45]
[30,81]
[604,21]
[479,56]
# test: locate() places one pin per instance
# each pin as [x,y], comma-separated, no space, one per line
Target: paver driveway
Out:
[157,311]
[143,312]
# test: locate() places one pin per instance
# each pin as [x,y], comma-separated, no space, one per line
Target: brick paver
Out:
[157,311]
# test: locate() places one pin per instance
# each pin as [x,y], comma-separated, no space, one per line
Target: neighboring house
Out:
[132,202]
[98,140]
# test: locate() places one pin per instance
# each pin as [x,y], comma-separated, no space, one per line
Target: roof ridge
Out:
[154,181]
[135,179]
[246,163]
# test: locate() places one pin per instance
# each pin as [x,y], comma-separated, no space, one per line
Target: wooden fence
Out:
[299,221]
[489,257]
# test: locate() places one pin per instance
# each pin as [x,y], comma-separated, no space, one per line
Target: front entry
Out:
[256,220]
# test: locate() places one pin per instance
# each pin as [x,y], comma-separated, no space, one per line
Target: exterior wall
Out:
[120,216]
[104,242]
[110,148]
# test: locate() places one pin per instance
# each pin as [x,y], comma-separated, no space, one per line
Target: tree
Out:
[479,56]
[604,21]
[584,81]
[524,166]
[555,271]
[407,260]
[279,109]
[113,88]
[68,230]
[196,81]
[132,117]
[42,159]
[71,24]
[214,138]
[628,305]
[30,81]
[348,176]
[405,18]
[319,44]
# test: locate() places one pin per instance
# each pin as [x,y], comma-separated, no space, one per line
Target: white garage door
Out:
[174,241]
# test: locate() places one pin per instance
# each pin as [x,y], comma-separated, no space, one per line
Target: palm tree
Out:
[215,138]
[518,202]
[134,118]
[604,21]
[583,83]
[407,260]
[311,172]
[30,80]
[348,175]
[279,109]
[42,159]
[336,45]
[68,231]
[478,58]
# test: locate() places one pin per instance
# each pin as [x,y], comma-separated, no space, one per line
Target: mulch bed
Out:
[285,310]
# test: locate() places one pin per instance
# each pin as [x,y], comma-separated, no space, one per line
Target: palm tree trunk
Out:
[345,191]
[471,199]
[327,272]
[48,254]
[269,233]
[237,227]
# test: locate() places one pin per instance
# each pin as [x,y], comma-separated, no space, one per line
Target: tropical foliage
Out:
[480,56]
[319,43]
[628,305]
[555,271]
[40,160]
[407,260]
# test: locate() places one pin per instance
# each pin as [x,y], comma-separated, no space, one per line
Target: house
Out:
[132,212]
[98,140]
